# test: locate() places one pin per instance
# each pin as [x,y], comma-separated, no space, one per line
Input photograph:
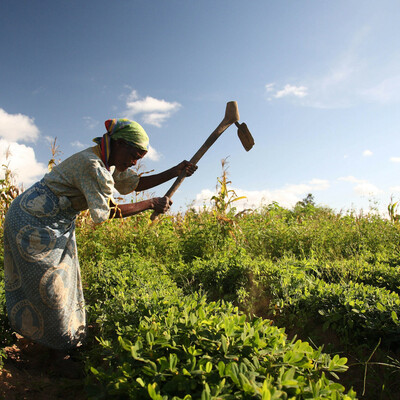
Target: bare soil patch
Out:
[29,374]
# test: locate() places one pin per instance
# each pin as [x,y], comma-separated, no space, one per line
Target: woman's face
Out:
[124,156]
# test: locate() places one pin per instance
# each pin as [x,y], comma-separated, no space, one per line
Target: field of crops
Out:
[264,304]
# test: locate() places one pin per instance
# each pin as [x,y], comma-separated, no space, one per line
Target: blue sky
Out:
[317,82]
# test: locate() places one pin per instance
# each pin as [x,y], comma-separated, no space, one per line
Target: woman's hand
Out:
[186,166]
[161,204]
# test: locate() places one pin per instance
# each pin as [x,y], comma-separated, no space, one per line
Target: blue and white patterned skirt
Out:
[43,286]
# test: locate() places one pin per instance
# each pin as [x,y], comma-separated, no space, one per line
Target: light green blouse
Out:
[86,182]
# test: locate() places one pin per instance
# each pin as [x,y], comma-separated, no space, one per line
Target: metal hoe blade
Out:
[245,136]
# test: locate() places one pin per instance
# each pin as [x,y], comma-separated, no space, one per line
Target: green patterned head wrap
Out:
[130,131]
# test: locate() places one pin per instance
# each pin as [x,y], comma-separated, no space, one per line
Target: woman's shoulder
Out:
[90,154]
[83,159]
[86,160]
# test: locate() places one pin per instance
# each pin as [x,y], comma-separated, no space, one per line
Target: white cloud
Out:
[290,90]
[395,159]
[287,196]
[367,153]
[152,154]
[350,178]
[395,189]
[350,78]
[90,123]
[49,139]
[133,95]
[270,87]
[361,186]
[336,87]
[78,144]
[387,91]
[17,127]
[150,104]
[153,111]
[22,162]
[366,189]
[319,184]
[156,119]
[340,73]
[204,197]
[331,89]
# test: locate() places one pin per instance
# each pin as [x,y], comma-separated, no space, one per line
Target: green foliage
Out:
[204,235]
[8,192]
[223,276]
[3,356]
[298,294]
[200,349]
[225,197]
[274,233]
[5,330]
[161,301]
[156,342]
[121,291]
[355,310]
[310,269]
[392,210]
[134,236]
[6,336]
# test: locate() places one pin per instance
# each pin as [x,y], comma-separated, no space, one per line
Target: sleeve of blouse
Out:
[126,182]
[97,185]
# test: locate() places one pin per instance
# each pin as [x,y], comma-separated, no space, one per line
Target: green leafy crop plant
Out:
[274,232]
[197,349]
[154,341]
[355,310]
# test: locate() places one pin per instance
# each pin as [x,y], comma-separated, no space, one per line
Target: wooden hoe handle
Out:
[231,116]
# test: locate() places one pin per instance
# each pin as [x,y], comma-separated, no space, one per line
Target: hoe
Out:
[231,117]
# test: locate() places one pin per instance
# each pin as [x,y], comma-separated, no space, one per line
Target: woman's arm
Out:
[147,182]
[159,204]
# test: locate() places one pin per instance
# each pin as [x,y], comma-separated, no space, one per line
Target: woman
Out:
[42,277]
